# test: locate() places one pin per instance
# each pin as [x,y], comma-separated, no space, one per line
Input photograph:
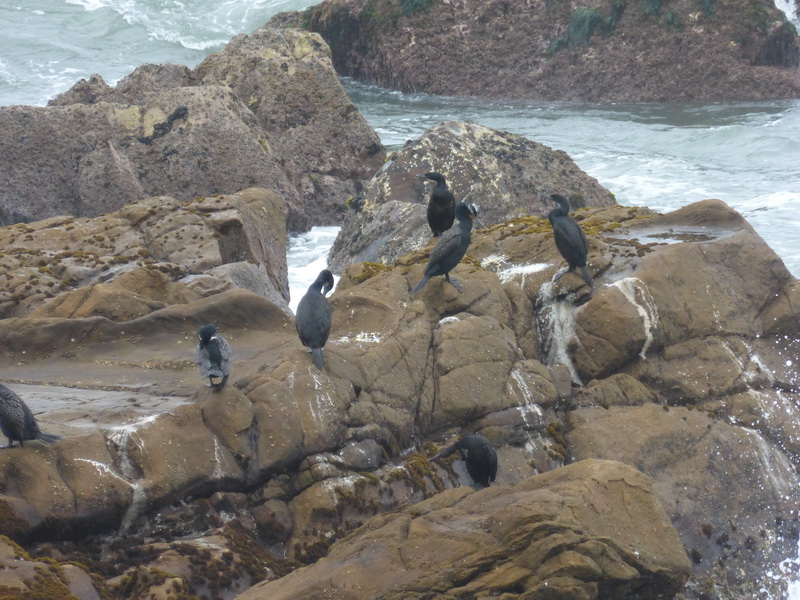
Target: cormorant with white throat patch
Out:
[450,248]
[441,205]
[17,421]
[570,239]
[479,456]
[313,318]
[213,356]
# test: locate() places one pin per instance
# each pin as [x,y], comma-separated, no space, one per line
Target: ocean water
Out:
[659,155]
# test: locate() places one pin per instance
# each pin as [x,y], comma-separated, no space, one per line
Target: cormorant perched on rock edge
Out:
[313,318]
[479,456]
[450,248]
[213,356]
[17,421]
[569,237]
[441,205]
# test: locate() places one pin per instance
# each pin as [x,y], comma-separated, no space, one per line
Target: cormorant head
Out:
[434,176]
[465,211]
[326,278]
[206,333]
[562,202]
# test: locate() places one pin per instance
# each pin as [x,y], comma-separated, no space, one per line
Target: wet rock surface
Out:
[160,481]
[601,51]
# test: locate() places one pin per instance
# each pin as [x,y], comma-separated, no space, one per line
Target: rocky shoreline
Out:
[646,431]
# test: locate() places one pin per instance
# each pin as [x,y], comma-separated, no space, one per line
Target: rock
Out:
[148,255]
[600,53]
[505,175]
[732,515]
[26,577]
[543,537]
[248,116]
[295,459]
[287,80]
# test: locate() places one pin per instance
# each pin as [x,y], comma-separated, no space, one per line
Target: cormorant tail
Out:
[586,277]
[47,438]
[420,285]
[316,353]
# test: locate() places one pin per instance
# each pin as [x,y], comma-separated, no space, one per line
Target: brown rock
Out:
[148,255]
[547,532]
[267,111]
[703,472]
[600,53]
[287,80]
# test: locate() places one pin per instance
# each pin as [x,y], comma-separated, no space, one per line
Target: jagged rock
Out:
[288,81]
[504,174]
[603,52]
[552,536]
[405,376]
[214,130]
[148,255]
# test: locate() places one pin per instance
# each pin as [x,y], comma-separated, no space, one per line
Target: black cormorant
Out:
[441,206]
[213,356]
[570,239]
[313,318]
[17,422]
[450,248]
[479,456]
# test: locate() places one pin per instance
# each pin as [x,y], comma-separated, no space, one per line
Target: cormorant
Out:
[479,456]
[313,318]
[570,239]
[450,248]
[213,356]
[17,421]
[441,206]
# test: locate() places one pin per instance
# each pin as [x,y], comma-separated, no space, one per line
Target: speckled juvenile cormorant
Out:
[451,247]
[313,318]
[17,422]
[569,237]
[479,456]
[213,356]
[441,205]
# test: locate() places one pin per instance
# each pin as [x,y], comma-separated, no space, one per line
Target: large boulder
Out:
[506,175]
[597,51]
[215,130]
[559,535]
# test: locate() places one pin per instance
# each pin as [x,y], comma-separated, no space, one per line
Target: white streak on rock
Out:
[636,292]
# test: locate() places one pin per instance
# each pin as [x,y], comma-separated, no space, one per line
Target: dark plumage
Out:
[569,237]
[441,205]
[213,356]
[450,248]
[479,456]
[313,318]
[17,422]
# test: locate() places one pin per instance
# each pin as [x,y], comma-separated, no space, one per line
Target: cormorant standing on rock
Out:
[570,239]
[479,456]
[441,206]
[213,356]
[450,248]
[313,318]
[17,422]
